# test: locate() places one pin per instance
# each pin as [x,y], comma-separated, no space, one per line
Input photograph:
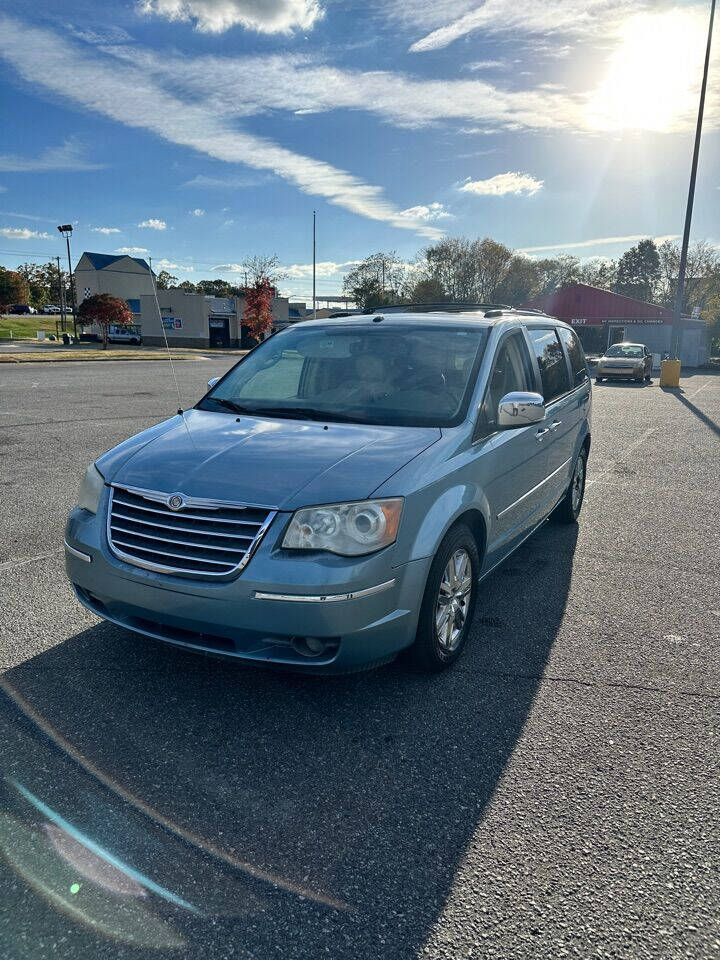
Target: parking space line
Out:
[9,564]
[628,450]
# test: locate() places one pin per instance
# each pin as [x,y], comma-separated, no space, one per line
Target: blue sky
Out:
[203,131]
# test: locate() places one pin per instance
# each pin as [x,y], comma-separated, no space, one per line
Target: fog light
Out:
[309,646]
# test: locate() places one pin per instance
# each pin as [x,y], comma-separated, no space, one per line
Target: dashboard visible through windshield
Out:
[417,376]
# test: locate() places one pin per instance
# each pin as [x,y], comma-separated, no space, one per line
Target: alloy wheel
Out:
[578,484]
[453,600]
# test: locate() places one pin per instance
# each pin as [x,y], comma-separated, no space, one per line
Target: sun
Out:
[653,75]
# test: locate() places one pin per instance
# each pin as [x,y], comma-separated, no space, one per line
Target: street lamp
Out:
[65,229]
[677,327]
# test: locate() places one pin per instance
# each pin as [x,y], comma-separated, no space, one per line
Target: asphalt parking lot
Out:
[554,795]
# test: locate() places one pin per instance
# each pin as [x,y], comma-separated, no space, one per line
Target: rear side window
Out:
[551,359]
[576,354]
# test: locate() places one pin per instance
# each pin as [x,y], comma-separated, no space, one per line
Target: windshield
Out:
[630,350]
[412,375]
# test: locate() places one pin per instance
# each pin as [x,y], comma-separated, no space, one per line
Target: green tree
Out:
[426,290]
[520,283]
[13,289]
[165,280]
[600,272]
[558,272]
[187,286]
[378,281]
[104,310]
[638,272]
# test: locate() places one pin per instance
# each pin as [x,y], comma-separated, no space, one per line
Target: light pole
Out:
[61,291]
[66,230]
[314,300]
[677,327]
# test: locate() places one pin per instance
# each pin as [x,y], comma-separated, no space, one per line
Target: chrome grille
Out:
[208,538]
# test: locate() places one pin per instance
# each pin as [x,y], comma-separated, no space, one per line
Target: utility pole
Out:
[314,249]
[61,288]
[66,230]
[677,327]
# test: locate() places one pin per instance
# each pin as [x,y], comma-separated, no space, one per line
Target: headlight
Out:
[91,489]
[350,529]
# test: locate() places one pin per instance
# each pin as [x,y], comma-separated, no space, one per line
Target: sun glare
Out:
[653,75]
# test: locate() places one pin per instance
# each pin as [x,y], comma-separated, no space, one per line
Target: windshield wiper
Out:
[230,405]
[300,413]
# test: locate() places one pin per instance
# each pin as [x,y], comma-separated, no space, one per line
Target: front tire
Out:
[598,379]
[448,603]
[568,510]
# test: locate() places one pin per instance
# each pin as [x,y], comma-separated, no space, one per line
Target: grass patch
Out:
[59,356]
[26,327]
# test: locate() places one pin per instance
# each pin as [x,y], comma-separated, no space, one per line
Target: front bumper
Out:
[621,373]
[323,613]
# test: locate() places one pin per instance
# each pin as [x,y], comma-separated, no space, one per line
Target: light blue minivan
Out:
[338,496]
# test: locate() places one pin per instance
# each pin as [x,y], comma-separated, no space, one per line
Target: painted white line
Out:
[628,450]
[9,564]
[707,384]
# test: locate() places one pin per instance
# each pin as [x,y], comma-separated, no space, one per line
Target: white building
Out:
[127,278]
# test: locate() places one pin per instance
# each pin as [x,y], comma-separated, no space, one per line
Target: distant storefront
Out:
[602,318]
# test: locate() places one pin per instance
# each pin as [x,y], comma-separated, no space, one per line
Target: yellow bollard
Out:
[670,373]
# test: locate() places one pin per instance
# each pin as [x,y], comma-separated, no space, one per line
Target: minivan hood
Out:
[266,461]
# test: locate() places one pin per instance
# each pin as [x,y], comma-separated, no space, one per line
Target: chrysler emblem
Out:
[176,502]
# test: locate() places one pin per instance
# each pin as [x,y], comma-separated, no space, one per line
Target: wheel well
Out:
[476,522]
[586,445]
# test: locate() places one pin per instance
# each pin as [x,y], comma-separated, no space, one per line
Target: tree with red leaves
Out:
[257,315]
[104,310]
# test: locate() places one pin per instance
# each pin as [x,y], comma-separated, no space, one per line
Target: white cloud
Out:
[486,65]
[133,97]
[519,184]
[543,17]
[67,156]
[597,242]
[165,264]
[105,230]
[197,212]
[22,233]
[153,224]
[131,251]
[28,216]
[221,183]
[323,268]
[216,16]
[426,212]
[292,82]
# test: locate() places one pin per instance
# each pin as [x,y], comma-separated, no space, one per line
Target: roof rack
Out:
[439,307]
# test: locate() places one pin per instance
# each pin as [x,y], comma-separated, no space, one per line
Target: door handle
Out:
[555,424]
[541,433]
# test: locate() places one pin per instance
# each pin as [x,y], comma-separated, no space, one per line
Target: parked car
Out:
[20,308]
[340,493]
[625,361]
[124,333]
[50,308]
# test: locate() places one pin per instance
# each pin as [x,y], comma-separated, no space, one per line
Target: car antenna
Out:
[167,345]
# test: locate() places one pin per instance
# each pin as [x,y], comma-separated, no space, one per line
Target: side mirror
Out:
[212,381]
[520,409]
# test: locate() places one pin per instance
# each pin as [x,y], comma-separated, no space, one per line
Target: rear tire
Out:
[598,379]
[448,603]
[568,510]
[648,377]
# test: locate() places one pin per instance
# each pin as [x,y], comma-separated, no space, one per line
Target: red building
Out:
[602,317]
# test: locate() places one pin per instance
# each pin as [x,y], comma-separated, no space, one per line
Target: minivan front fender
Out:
[438,514]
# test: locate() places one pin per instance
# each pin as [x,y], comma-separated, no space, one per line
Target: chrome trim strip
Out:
[324,598]
[188,516]
[178,543]
[533,489]
[154,524]
[191,501]
[77,553]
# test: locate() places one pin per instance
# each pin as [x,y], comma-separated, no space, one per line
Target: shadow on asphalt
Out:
[702,417]
[287,816]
